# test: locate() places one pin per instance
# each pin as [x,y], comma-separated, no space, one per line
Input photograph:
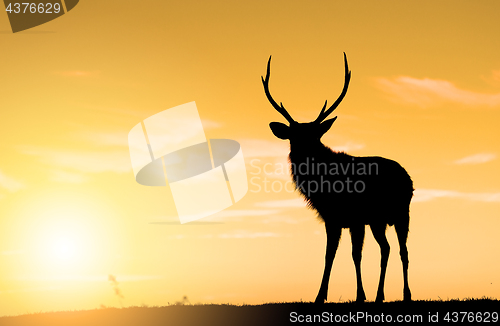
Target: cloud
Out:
[244,234]
[35,289]
[261,215]
[120,138]
[10,183]
[12,252]
[77,73]
[106,138]
[496,75]
[89,278]
[238,214]
[264,148]
[210,124]
[117,161]
[477,158]
[222,216]
[422,195]
[236,234]
[284,203]
[67,177]
[348,147]
[279,148]
[112,160]
[428,92]
[246,212]
[493,79]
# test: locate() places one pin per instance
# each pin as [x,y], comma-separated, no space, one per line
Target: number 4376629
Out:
[472,317]
[26,7]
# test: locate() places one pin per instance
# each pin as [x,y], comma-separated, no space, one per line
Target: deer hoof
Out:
[320,299]
[407,296]
[360,296]
[360,299]
[380,297]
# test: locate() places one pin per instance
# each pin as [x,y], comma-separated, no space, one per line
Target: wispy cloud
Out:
[244,234]
[422,195]
[284,203]
[477,158]
[235,234]
[35,289]
[106,138]
[347,147]
[89,278]
[264,148]
[279,148]
[246,212]
[67,177]
[117,161]
[496,75]
[10,183]
[428,92]
[235,215]
[493,79]
[120,138]
[77,73]
[12,252]
[210,124]
[223,216]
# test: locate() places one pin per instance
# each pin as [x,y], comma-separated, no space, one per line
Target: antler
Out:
[280,107]
[322,115]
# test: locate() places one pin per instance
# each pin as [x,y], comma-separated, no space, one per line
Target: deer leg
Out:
[332,243]
[379,235]
[402,232]
[357,239]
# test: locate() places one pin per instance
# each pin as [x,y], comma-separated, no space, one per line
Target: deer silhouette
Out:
[347,191]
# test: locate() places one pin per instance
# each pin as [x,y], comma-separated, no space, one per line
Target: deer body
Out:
[354,190]
[347,191]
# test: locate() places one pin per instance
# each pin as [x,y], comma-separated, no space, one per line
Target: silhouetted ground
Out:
[458,311]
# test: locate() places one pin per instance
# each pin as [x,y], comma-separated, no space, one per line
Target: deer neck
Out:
[309,149]
[310,152]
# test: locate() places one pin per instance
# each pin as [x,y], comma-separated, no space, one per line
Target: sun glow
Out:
[63,245]
[64,248]
[66,235]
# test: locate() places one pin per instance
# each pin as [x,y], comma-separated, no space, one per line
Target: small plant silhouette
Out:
[347,191]
[185,301]
[114,283]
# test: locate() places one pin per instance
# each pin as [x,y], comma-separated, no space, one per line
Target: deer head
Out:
[303,132]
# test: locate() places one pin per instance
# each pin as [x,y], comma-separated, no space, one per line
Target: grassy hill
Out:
[452,311]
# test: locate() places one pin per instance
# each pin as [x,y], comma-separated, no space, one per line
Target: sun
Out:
[64,238]
[66,233]
[64,248]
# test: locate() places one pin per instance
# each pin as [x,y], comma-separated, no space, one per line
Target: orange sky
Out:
[425,91]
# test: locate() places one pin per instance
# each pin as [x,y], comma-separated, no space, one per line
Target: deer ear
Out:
[280,130]
[326,125]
